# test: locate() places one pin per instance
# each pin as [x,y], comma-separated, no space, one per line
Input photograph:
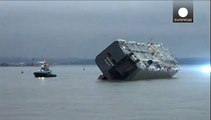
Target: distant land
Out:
[190,61]
[18,61]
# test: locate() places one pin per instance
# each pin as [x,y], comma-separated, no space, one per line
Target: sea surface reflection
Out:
[76,94]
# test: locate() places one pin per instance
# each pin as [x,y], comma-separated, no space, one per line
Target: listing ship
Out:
[124,60]
[44,71]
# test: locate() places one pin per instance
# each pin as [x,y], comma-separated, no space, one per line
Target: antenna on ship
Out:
[33,61]
[150,41]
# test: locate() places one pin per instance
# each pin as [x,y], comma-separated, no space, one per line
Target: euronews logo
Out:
[183,11]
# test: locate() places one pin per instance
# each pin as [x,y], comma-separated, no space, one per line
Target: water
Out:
[76,94]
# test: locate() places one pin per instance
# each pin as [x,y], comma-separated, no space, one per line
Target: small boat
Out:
[44,71]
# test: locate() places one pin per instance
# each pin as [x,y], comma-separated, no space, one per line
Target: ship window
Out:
[114,61]
[108,54]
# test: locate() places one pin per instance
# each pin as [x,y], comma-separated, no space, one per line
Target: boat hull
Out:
[145,74]
[42,74]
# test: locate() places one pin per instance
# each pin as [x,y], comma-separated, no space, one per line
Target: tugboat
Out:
[131,60]
[44,71]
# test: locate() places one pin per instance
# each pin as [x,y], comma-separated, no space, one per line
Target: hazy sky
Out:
[84,28]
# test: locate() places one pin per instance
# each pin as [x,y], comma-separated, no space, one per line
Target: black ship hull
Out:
[42,74]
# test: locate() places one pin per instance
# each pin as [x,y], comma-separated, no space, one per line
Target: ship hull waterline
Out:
[41,74]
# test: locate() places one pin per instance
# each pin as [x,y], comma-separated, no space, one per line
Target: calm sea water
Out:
[76,94]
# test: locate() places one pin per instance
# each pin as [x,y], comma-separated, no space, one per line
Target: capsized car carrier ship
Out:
[132,61]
